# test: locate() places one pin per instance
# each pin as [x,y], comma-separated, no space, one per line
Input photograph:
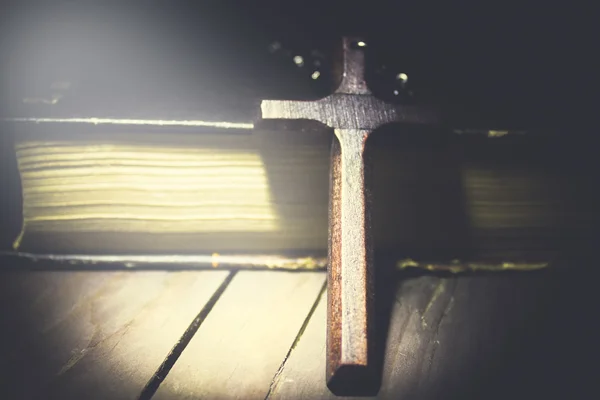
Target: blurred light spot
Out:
[361,44]
[275,46]
[299,61]
[396,93]
[39,100]
[402,77]
[497,133]
[315,75]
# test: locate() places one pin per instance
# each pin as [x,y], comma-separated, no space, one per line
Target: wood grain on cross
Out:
[353,113]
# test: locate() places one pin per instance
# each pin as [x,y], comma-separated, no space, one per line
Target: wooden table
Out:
[261,335]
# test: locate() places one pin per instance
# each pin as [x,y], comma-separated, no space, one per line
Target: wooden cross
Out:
[353,113]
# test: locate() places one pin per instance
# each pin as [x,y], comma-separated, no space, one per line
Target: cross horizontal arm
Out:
[343,111]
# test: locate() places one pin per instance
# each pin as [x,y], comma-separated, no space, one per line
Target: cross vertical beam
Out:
[353,113]
[350,283]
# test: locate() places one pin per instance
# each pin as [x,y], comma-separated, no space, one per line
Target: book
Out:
[494,196]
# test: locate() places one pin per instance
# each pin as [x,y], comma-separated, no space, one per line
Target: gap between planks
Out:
[93,334]
[296,340]
[163,370]
[244,341]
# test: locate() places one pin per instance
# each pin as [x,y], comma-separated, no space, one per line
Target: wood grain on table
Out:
[103,335]
[93,335]
[245,339]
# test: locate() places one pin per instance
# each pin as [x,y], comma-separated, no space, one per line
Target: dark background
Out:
[500,66]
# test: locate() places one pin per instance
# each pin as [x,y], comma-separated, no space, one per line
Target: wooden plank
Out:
[97,335]
[516,336]
[303,376]
[244,340]
[501,336]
